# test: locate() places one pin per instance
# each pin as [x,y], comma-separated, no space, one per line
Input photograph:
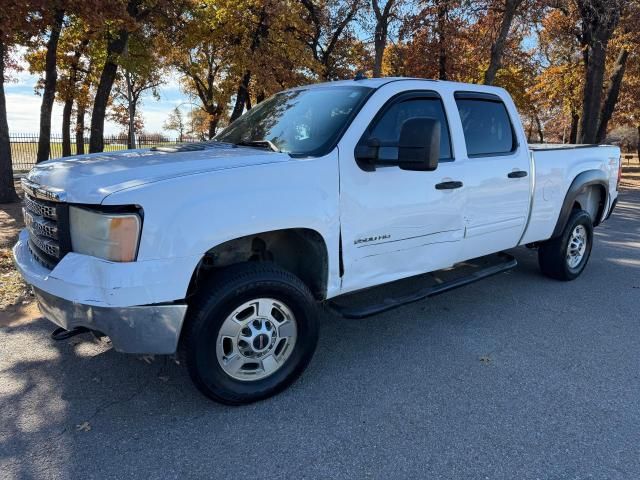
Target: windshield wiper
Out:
[264,144]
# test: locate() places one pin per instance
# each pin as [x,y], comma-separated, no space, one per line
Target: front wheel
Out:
[250,333]
[565,257]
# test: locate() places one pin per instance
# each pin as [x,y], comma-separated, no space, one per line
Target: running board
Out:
[479,268]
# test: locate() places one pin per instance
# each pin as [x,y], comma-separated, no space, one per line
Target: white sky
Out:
[23,107]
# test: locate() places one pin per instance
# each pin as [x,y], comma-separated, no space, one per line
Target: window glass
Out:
[387,130]
[301,122]
[486,126]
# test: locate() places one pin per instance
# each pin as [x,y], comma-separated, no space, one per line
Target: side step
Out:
[441,281]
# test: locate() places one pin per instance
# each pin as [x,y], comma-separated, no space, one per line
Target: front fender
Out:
[187,216]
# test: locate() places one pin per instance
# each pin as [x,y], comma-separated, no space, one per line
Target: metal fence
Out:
[24,146]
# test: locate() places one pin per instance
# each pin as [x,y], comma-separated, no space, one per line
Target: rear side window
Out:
[387,129]
[486,125]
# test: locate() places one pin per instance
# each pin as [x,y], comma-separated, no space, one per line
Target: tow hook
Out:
[63,334]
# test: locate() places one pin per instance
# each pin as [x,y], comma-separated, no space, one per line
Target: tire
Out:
[553,255]
[227,364]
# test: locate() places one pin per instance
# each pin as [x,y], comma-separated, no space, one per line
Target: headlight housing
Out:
[112,236]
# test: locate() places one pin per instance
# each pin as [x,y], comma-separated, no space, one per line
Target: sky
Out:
[23,106]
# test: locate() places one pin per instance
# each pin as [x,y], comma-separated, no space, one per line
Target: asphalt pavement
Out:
[514,377]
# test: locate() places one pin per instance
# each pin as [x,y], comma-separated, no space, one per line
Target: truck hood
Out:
[91,178]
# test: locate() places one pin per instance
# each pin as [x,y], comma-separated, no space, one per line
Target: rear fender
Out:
[579,186]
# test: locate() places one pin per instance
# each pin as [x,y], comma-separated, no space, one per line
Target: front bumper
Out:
[150,329]
[136,304]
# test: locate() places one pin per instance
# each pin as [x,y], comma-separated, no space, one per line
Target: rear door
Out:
[496,174]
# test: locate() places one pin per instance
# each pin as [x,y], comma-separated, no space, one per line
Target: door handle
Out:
[448,185]
[517,174]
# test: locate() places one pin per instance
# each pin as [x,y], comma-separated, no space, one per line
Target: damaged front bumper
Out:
[147,327]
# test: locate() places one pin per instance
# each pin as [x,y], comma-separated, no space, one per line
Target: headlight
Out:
[112,236]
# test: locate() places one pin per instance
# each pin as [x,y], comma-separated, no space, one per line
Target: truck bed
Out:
[555,169]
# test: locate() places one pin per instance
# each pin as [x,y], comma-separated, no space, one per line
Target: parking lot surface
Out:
[517,376]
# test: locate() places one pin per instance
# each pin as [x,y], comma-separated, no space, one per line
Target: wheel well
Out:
[592,200]
[301,251]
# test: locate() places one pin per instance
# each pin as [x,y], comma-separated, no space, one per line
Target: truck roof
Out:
[379,82]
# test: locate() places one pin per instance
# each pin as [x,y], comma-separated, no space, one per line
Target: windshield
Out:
[299,122]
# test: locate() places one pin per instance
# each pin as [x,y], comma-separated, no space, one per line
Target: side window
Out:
[486,126]
[387,128]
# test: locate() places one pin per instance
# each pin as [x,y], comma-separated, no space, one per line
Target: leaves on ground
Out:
[83,427]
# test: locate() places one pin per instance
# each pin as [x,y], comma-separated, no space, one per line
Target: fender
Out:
[583,181]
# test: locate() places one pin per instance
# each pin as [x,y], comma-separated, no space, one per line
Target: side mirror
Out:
[419,145]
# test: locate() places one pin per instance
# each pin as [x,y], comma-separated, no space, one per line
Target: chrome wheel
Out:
[256,339]
[577,246]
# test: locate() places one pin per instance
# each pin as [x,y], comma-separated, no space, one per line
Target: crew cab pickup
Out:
[223,250]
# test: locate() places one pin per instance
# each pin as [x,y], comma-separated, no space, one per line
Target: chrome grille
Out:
[40,208]
[40,225]
[42,219]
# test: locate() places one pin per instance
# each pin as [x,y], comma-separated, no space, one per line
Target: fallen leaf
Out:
[147,358]
[163,378]
[485,359]
[83,427]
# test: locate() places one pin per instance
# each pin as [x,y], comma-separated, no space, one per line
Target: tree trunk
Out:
[131,106]
[497,49]
[115,48]
[573,132]
[7,189]
[66,127]
[213,126]
[381,34]
[442,39]
[380,43]
[611,97]
[49,93]
[638,144]
[592,95]
[539,128]
[214,119]
[260,96]
[80,130]
[241,96]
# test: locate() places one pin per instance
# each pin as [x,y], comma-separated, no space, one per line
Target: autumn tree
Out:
[331,37]
[73,66]
[598,20]
[141,71]
[199,51]
[175,122]
[383,14]
[53,16]
[508,9]
[125,18]
[267,49]
[17,23]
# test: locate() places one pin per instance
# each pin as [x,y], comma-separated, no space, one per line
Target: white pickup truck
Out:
[223,250]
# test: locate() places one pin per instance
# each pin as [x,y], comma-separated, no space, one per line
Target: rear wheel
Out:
[565,257]
[249,333]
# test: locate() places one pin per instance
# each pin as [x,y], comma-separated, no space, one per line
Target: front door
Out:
[397,223]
